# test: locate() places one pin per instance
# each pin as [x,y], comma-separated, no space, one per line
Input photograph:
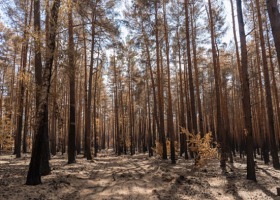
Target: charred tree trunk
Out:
[269,105]
[246,99]
[71,64]
[274,16]
[34,174]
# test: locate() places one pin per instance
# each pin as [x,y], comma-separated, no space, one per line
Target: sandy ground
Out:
[135,177]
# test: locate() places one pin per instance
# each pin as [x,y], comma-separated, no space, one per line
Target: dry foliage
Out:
[127,142]
[203,147]
[6,138]
[159,149]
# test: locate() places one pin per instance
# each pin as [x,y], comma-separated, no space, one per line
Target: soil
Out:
[136,177]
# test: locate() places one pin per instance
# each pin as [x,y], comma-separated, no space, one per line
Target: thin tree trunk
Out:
[170,123]
[89,96]
[117,128]
[200,117]
[182,120]
[21,86]
[191,85]
[85,94]
[72,71]
[94,109]
[220,126]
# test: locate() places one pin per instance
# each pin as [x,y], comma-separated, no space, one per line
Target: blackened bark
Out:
[41,137]
[269,110]
[274,16]
[71,64]
[246,100]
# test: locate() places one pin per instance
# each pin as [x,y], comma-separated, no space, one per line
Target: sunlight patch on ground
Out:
[141,190]
[251,195]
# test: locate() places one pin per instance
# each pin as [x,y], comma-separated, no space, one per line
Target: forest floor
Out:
[136,177]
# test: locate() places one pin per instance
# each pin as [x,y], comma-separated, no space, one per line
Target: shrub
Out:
[202,147]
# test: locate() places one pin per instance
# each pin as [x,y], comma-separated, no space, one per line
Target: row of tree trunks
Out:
[147,111]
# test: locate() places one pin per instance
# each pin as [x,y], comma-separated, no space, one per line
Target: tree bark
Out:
[34,174]
[160,89]
[217,75]
[72,79]
[191,85]
[246,99]
[269,105]
[196,71]
[21,86]
[274,16]
[170,123]
[89,95]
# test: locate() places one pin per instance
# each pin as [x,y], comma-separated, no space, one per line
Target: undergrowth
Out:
[202,147]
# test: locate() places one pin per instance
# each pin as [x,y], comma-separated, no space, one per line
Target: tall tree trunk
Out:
[34,174]
[217,75]
[85,92]
[131,107]
[276,95]
[155,110]
[246,99]
[89,96]
[200,117]
[235,37]
[79,128]
[150,136]
[94,108]
[160,89]
[170,123]
[117,128]
[269,105]
[274,16]
[182,120]
[191,85]
[55,111]
[21,86]
[72,79]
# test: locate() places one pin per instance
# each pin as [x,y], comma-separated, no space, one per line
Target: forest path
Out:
[135,177]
